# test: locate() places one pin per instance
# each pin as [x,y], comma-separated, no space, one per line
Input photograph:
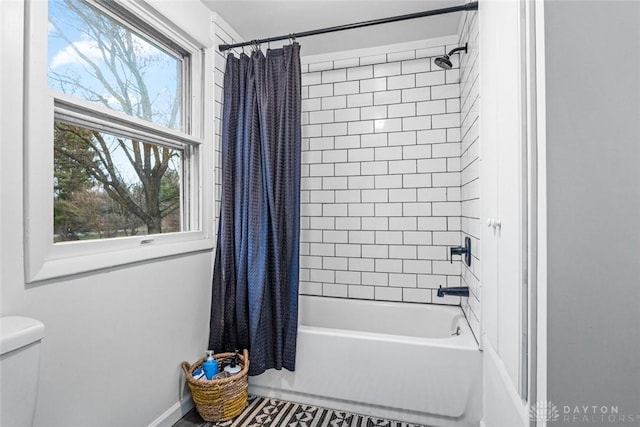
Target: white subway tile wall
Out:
[381,176]
[469,165]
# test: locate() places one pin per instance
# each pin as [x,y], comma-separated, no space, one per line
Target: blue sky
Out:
[160,71]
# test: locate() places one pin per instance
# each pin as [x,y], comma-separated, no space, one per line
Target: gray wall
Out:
[593,159]
[114,339]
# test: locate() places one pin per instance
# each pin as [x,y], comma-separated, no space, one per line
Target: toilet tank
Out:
[19,369]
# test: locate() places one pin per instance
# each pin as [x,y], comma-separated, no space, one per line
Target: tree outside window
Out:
[106,184]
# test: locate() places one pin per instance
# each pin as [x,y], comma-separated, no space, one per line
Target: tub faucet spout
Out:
[460,291]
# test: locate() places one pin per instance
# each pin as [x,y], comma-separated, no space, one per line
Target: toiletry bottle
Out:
[198,374]
[210,365]
[234,367]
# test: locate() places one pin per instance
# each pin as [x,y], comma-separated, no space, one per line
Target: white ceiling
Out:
[263,18]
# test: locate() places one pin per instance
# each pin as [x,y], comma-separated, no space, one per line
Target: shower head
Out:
[444,62]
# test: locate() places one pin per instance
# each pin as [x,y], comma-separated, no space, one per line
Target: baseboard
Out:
[174,413]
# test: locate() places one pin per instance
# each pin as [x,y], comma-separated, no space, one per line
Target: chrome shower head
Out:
[444,62]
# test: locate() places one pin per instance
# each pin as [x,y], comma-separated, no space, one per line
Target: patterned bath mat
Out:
[266,412]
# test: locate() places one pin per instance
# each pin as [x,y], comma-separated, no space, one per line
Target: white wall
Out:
[114,339]
[593,196]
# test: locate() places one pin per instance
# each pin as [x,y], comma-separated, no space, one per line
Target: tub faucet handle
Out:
[456,250]
[462,250]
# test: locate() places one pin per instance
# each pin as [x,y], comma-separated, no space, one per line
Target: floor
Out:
[262,411]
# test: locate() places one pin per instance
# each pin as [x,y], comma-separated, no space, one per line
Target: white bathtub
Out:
[391,360]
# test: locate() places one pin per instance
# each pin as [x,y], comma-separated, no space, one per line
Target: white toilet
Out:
[20,339]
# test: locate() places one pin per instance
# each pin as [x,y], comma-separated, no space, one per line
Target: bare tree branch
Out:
[120,69]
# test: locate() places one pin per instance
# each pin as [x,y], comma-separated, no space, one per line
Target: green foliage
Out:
[93,200]
[71,183]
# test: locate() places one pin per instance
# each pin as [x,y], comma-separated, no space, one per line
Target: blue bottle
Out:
[210,365]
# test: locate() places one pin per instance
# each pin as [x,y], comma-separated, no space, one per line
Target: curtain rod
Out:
[468,6]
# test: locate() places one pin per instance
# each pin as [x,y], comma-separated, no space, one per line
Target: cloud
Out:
[68,55]
[90,49]
[115,104]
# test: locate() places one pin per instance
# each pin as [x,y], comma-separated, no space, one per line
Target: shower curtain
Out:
[255,278]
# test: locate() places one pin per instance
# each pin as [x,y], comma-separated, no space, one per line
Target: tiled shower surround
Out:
[390,170]
[381,195]
[470,164]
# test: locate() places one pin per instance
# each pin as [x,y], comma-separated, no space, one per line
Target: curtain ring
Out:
[292,38]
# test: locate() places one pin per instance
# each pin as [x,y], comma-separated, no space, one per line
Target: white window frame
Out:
[45,260]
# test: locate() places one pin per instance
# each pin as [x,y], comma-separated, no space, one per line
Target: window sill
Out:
[116,253]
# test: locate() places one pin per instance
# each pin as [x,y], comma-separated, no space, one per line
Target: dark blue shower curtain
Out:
[255,277]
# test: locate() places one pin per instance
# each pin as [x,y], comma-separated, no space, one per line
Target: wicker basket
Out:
[221,399]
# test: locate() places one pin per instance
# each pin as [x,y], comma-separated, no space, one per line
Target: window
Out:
[107,186]
[116,137]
